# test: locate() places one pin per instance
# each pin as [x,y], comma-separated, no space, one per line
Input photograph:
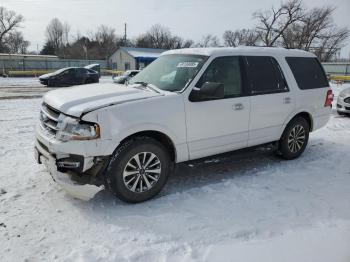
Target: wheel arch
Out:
[304,114]
[307,116]
[158,136]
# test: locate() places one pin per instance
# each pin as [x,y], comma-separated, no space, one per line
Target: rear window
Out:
[264,75]
[308,72]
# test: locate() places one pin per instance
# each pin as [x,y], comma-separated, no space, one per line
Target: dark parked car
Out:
[70,76]
[125,77]
[95,67]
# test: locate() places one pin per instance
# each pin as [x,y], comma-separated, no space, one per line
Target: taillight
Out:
[329,98]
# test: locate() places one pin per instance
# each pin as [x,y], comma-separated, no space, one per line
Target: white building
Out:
[131,58]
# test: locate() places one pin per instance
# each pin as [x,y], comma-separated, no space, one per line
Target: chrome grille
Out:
[49,118]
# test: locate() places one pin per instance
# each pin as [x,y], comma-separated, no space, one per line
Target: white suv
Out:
[188,104]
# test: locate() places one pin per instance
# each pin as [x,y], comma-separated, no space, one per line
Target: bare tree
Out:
[177,42]
[107,40]
[246,37]
[316,32]
[293,26]
[303,33]
[209,41]
[273,23]
[160,37]
[54,34]
[15,43]
[330,43]
[9,21]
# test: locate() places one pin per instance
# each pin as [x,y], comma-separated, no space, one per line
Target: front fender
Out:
[181,149]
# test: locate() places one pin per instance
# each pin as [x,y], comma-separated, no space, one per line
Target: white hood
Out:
[79,99]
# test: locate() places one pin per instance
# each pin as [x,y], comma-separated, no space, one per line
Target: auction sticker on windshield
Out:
[188,64]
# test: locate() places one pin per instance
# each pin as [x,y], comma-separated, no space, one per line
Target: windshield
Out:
[171,72]
[59,71]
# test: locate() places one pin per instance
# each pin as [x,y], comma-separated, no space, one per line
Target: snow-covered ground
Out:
[249,207]
[28,87]
[20,82]
[33,81]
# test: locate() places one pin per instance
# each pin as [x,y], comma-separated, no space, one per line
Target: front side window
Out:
[70,71]
[171,72]
[308,72]
[226,71]
[264,75]
[59,71]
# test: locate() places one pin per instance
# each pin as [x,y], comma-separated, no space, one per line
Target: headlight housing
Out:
[70,128]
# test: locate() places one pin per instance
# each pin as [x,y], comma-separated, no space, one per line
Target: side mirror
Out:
[208,91]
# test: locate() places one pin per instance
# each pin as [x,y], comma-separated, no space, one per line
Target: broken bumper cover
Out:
[81,191]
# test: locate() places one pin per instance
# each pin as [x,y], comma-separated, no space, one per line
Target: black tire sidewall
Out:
[283,148]
[122,155]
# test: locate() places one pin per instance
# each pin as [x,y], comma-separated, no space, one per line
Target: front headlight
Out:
[70,128]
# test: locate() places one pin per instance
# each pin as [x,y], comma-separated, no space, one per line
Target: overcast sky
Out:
[187,18]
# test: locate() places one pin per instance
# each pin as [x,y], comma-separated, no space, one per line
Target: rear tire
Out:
[294,139]
[138,170]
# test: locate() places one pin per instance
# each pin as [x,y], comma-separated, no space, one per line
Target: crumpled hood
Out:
[77,100]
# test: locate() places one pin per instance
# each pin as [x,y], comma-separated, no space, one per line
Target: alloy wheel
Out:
[142,172]
[296,138]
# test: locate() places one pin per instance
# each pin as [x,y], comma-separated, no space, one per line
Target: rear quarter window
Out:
[308,72]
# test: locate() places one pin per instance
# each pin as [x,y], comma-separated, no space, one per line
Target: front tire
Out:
[138,170]
[294,139]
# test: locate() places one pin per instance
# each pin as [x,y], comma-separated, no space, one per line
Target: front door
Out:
[219,125]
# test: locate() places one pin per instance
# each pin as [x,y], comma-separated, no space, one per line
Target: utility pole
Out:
[124,34]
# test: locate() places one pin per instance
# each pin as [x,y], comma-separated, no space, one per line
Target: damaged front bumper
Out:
[80,176]
[78,190]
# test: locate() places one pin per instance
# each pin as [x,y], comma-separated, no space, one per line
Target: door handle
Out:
[287,100]
[238,106]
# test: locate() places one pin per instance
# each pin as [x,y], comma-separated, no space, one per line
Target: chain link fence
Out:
[7,65]
[337,68]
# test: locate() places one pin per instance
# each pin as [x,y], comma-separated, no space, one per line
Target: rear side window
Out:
[264,75]
[308,72]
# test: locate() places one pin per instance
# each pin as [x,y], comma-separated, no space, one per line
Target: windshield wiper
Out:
[147,85]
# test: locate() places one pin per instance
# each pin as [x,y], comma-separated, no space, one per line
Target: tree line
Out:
[290,25]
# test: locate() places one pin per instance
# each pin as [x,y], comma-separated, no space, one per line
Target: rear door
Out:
[271,100]
[80,76]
